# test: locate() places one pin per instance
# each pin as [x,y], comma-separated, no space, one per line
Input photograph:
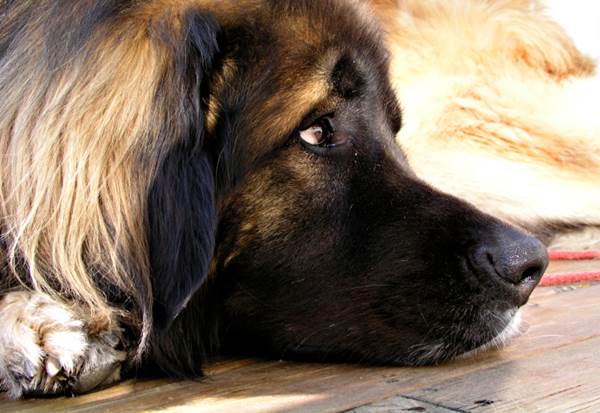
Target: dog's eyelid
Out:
[315,115]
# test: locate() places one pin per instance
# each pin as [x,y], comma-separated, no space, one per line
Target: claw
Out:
[52,367]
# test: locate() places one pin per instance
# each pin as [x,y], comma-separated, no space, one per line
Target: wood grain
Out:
[554,366]
[573,266]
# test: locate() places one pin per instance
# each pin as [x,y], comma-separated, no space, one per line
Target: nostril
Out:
[531,274]
[524,275]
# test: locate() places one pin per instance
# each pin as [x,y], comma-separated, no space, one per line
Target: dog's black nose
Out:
[513,259]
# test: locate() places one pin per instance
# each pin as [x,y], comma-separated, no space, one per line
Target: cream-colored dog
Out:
[500,108]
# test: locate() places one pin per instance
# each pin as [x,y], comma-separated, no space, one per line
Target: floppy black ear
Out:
[181,210]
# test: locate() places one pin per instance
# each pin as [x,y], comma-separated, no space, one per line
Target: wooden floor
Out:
[554,367]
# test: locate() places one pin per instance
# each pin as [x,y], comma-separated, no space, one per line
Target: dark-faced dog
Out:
[184,176]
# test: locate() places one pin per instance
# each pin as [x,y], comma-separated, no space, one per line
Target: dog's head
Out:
[161,145]
[327,245]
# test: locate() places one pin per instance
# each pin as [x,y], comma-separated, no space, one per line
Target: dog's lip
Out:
[513,329]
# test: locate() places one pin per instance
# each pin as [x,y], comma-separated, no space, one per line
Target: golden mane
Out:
[82,139]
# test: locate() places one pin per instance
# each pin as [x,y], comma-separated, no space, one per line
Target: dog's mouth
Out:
[514,328]
[482,330]
[463,343]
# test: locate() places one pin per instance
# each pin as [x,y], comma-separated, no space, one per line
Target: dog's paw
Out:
[47,349]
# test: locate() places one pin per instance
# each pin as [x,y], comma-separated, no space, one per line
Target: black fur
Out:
[181,205]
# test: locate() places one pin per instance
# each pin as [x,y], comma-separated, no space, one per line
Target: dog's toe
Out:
[46,349]
[102,364]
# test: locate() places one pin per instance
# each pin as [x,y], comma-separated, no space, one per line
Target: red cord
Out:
[573,255]
[571,277]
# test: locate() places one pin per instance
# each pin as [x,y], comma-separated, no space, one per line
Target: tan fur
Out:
[81,149]
[499,107]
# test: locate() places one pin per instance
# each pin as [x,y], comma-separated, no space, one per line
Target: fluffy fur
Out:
[50,344]
[498,98]
[185,177]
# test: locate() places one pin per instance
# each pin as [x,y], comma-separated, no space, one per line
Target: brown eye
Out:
[322,133]
[313,135]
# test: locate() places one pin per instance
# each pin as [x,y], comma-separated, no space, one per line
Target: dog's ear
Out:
[181,207]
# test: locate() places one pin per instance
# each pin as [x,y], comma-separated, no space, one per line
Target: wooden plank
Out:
[557,320]
[558,381]
[573,266]
[401,404]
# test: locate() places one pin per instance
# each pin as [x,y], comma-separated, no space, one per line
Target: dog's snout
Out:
[513,259]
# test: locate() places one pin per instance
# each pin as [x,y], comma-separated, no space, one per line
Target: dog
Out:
[496,95]
[188,177]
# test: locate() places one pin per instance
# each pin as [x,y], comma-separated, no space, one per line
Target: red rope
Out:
[573,255]
[571,277]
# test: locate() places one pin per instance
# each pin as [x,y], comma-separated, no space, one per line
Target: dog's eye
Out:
[322,133]
[314,135]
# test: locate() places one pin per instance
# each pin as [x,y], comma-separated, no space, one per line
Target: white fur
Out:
[514,328]
[510,319]
[45,347]
[516,188]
